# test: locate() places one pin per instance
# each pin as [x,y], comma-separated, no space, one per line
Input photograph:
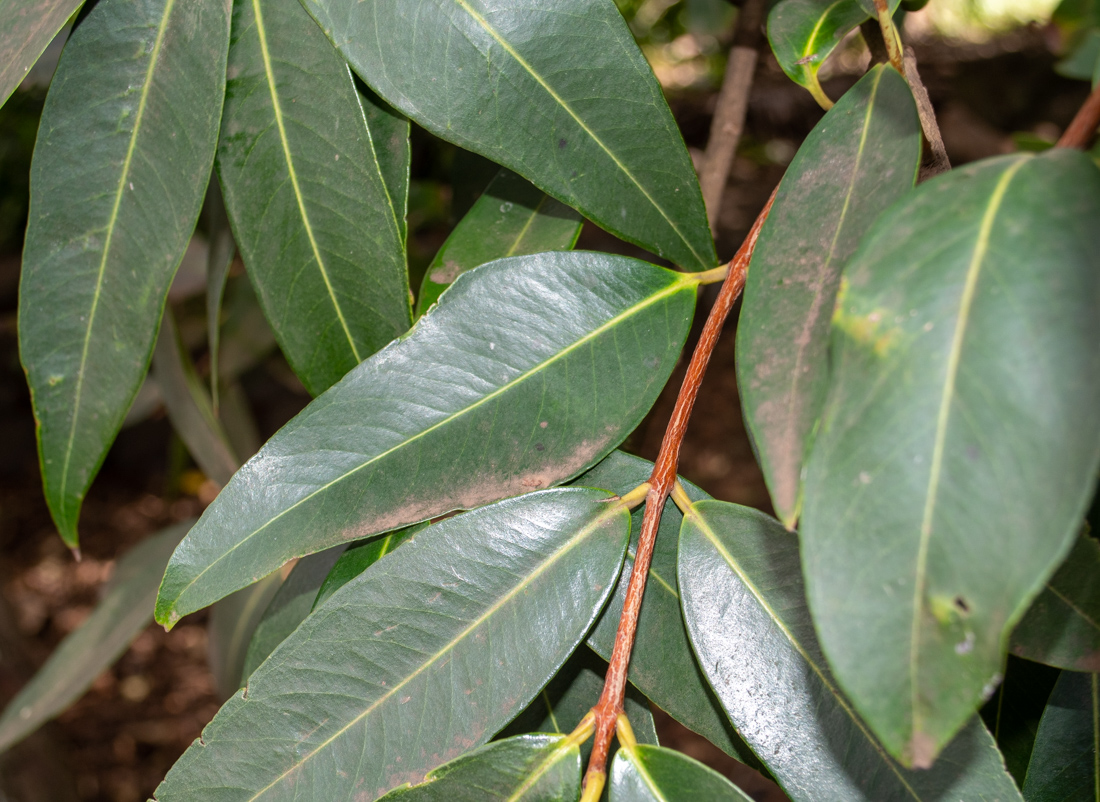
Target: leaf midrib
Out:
[682,281]
[557,555]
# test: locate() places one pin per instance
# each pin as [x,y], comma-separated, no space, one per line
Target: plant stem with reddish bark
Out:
[1081,131]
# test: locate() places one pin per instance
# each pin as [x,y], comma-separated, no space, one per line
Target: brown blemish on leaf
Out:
[447,273]
[921,750]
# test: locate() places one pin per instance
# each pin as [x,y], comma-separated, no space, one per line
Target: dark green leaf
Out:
[862,156]
[219,259]
[946,483]
[320,235]
[511,218]
[654,774]
[120,167]
[558,92]
[663,666]
[358,558]
[746,613]
[29,25]
[1062,626]
[289,607]
[528,768]
[424,655]
[1063,764]
[124,611]
[233,623]
[527,372]
[1013,714]
[389,132]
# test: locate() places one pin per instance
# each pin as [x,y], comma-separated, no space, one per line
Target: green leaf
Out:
[358,558]
[233,623]
[528,768]
[663,666]
[654,774]
[1062,626]
[1063,764]
[29,25]
[288,608]
[747,616]
[219,259]
[507,385]
[946,483]
[861,157]
[1013,714]
[559,93]
[125,609]
[320,235]
[389,132]
[120,167]
[511,218]
[471,617]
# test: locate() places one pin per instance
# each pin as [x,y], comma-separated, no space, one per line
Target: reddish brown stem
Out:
[1084,125]
[661,480]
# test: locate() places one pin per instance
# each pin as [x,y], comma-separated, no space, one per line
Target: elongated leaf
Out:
[321,236]
[471,617]
[863,155]
[946,484]
[663,668]
[389,133]
[122,160]
[29,25]
[803,33]
[219,259]
[359,558]
[558,92]
[528,768]
[527,372]
[1063,764]
[511,218]
[124,611]
[747,616]
[233,623]
[1013,714]
[654,774]
[288,608]
[1062,626]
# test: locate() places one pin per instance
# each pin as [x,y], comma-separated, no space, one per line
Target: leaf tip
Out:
[920,751]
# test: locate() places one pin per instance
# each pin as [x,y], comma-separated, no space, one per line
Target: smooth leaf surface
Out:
[664,668]
[859,159]
[654,774]
[29,26]
[472,616]
[219,259]
[511,218]
[946,483]
[527,768]
[1062,626]
[528,371]
[120,167]
[1012,715]
[320,234]
[358,558]
[232,627]
[746,613]
[125,609]
[1063,764]
[558,92]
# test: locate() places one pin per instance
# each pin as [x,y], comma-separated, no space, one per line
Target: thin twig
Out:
[1084,125]
[661,482]
[728,122]
[935,160]
[890,35]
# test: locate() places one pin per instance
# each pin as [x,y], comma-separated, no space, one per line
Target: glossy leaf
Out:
[746,613]
[861,157]
[511,218]
[29,26]
[946,484]
[358,558]
[527,372]
[1063,764]
[288,608]
[320,235]
[120,167]
[527,768]
[1012,715]
[472,617]
[557,92]
[654,774]
[125,609]
[1062,626]
[664,669]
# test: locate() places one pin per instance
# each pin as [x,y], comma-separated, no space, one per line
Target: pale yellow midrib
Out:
[112,222]
[277,108]
[526,227]
[748,583]
[568,546]
[484,23]
[539,771]
[981,246]
[647,778]
[684,281]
